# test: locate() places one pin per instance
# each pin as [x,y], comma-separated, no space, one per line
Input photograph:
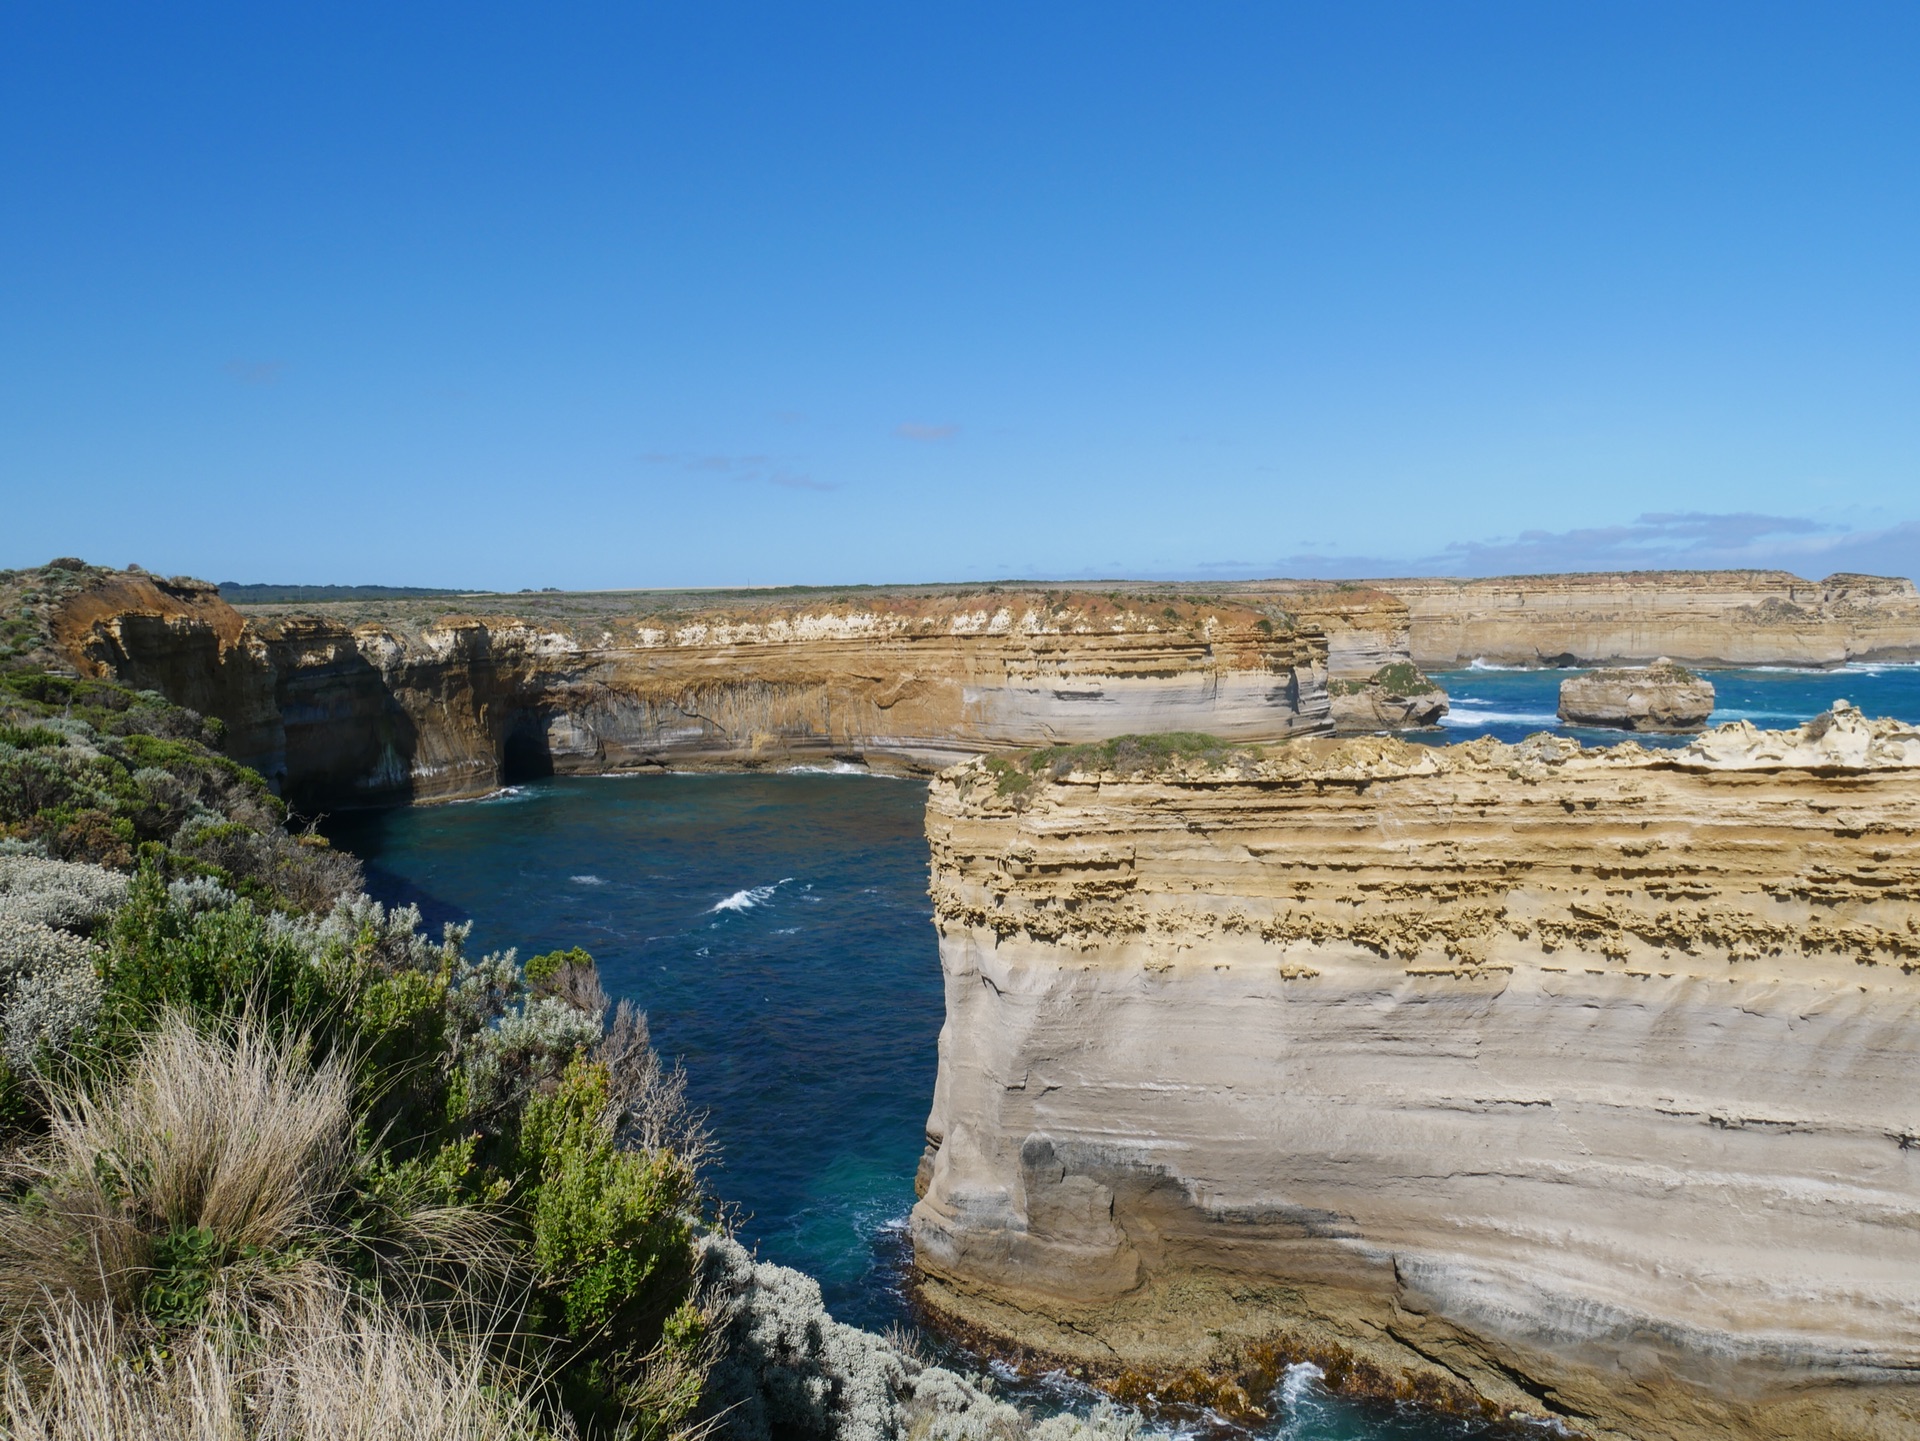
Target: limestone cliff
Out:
[433,706]
[1745,617]
[1580,1081]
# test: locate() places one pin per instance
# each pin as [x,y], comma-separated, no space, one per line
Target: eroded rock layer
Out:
[1745,617]
[340,713]
[1581,1079]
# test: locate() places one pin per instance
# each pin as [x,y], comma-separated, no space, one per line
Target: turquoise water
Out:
[1512,704]
[776,928]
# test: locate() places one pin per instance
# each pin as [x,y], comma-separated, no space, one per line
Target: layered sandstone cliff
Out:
[341,712]
[1582,1081]
[1734,618]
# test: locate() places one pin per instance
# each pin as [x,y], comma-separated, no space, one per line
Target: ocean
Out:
[776,929]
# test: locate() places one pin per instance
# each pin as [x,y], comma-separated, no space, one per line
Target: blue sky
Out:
[715,293]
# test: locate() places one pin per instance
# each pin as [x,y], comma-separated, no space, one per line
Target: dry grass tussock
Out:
[173,1269]
[204,1186]
[334,1376]
[238,1144]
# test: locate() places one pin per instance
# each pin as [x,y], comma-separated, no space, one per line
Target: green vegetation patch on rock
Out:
[1399,679]
[1130,755]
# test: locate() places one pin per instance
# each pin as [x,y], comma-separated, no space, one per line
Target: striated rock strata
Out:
[1579,1080]
[1659,697]
[344,713]
[1732,618]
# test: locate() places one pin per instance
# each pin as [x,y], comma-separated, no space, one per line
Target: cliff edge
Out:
[376,704]
[1569,1083]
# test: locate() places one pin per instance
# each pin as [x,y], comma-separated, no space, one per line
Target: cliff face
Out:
[1583,1080]
[339,713]
[1697,617]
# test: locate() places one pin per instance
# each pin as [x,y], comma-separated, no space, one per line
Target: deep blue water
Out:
[1513,704]
[776,928]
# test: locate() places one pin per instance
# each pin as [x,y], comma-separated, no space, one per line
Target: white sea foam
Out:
[504,793]
[587,880]
[1298,1380]
[1466,718]
[746,900]
[837,768]
[1298,1400]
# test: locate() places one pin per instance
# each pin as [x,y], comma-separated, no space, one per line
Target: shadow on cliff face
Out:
[525,752]
[349,742]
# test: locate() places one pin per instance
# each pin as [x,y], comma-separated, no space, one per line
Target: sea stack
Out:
[1395,697]
[1659,697]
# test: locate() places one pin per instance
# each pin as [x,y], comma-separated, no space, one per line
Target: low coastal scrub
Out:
[92,771]
[1014,775]
[1400,679]
[254,1123]
[280,1165]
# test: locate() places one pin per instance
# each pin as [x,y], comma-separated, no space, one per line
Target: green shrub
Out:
[104,770]
[612,1234]
[1403,678]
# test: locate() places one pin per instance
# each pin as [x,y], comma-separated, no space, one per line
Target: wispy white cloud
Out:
[914,430]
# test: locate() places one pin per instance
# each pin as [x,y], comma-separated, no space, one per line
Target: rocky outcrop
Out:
[1395,697]
[1371,678]
[1580,1081]
[1660,697]
[784,1367]
[1709,618]
[375,711]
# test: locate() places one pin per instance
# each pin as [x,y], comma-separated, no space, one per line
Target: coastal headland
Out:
[351,703]
[1569,1083]
[423,704]
[1574,1082]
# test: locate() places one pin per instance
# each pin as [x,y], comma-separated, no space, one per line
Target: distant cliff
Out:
[1578,1082]
[1720,617]
[420,705]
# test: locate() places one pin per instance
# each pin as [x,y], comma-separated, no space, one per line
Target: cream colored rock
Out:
[396,708]
[1583,1079]
[1750,617]
[1659,697]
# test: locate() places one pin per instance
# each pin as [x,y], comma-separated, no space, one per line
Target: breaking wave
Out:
[1466,717]
[746,900]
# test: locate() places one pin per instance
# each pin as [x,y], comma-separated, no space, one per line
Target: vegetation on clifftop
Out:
[1014,775]
[1399,679]
[260,1131]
